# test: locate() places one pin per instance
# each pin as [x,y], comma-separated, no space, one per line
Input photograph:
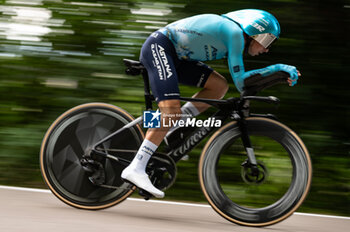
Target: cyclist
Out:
[173,55]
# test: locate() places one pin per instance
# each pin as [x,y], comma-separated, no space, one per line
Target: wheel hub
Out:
[254,174]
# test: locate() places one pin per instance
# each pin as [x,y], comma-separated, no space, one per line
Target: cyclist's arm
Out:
[234,41]
[238,77]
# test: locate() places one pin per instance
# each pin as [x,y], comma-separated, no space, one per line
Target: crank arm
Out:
[115,187]
[111,157]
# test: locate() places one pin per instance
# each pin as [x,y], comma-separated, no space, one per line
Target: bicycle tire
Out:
[66,141]
[216,193]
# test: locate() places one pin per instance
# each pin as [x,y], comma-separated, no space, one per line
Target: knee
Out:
[170,109]
[173,113]
[223,85]
[218,84]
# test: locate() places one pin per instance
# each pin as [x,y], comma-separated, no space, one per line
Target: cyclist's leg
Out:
[214,88]
[198,74]
[171,109]
[135,172]
[159,58]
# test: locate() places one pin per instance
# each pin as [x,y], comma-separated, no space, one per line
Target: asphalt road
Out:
[38,210]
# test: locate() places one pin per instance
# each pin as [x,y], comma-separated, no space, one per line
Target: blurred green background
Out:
[56,54]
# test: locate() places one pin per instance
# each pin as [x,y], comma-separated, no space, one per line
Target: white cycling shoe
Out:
[141,180]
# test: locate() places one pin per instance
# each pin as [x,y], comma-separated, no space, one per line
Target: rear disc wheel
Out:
[69,139]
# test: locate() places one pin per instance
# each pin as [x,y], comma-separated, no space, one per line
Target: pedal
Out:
[143,193]
[146,195]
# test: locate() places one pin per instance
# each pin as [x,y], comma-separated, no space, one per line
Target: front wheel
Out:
[67,142]
[284,164]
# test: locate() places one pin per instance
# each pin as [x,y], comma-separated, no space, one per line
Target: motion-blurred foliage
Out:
[55,54]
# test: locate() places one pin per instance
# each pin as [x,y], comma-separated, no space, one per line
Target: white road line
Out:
[321,215]
[166,202]
[25,189]
[170,202]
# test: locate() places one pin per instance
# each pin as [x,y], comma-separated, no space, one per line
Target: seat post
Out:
[148,96]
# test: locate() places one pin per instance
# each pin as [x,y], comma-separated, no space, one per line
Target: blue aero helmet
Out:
[260,25]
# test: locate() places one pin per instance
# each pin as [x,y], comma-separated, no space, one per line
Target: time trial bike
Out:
[253,171]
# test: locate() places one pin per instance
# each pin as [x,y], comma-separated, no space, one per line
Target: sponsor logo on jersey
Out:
[210,52]
[161,62]
[189,31]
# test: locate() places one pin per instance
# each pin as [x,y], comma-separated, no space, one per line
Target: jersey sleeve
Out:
[234,41]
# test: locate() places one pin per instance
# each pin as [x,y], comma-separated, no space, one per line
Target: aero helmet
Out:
[258,24]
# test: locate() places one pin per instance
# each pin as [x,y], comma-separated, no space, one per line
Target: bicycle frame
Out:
[196,137]
[233,108]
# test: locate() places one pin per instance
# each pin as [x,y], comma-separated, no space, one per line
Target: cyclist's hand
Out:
[293,73]
[291,82]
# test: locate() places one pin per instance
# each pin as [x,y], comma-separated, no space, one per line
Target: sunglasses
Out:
[265,40]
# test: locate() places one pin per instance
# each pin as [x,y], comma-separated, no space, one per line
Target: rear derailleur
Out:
[94,169]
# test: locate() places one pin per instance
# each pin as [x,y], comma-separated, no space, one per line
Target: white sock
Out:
[188,110]
[143,155]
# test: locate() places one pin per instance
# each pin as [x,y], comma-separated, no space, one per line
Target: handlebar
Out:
[269,99]
[257,83]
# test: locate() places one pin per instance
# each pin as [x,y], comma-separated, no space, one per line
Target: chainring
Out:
[162,171]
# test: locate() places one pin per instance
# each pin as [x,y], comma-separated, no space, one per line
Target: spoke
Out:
[77,144]
[80,182]
[83,131]
[64,160]
[70,177]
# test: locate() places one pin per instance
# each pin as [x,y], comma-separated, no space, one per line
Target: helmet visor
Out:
[265,39]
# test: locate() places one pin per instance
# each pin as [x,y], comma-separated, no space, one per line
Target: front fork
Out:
[251,161]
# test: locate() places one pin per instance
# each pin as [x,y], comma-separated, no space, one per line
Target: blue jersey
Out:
[210,37]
